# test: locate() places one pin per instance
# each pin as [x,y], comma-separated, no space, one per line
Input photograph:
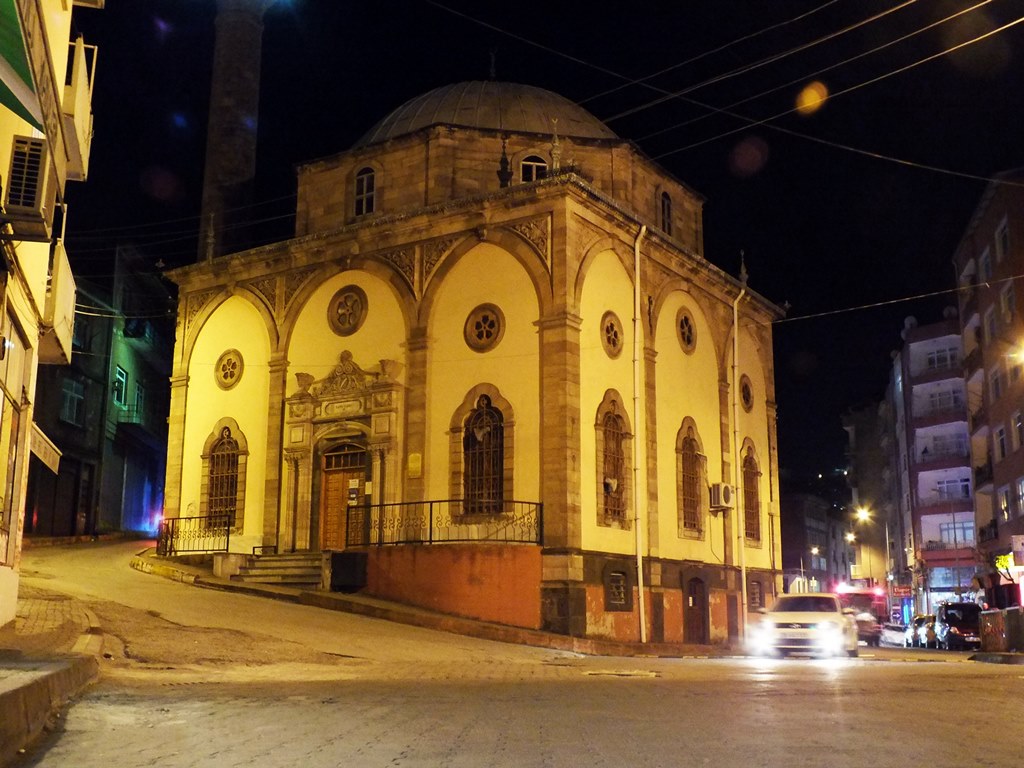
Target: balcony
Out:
[59,314]
[970,303]
[979,419]
[953,370]
[930,460]
[972,362]
[937,503]
[988,532]
[930,417]
[77,108]
[983,476]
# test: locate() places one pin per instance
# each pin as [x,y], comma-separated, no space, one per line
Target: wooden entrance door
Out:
[343,482]
[695,613]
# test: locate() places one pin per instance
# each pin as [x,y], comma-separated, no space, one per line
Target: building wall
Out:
[48,27]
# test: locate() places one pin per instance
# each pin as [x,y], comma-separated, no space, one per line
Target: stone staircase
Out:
[296,569]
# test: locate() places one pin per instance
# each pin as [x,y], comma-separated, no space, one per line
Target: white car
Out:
[810,622]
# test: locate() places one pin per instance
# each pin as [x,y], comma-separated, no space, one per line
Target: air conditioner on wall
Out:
[722,496]
[31,193]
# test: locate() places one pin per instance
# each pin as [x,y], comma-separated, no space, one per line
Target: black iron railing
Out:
[445,520]
[194,534]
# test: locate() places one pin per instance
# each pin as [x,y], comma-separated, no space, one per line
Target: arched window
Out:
[483,449]
[222,490]
[613,442]
[691,473]
[533,168]
[666,213]
[365,192]
[751,500]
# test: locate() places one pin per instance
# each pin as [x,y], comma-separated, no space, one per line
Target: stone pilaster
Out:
[416,416]
[275,441]
[175,446]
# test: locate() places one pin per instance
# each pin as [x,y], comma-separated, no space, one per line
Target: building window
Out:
[666,213]
[961,533]
[483,455]
[228,370]
[687,330]
[691,466]
[755,595]
[1007,302]
[365,191]
[1017,427]
[72,407]
[222,490]
[613,469]
[484,327]
[990,325]
[941,359]
[533,168]
[1002,241]
[611,334]
[999,442]
[1003,500]
[751,497]
[140,402]
[995,384]
[746,393]
[618,588]
[120,389]
[951,489]
[1019,499]
[985,266]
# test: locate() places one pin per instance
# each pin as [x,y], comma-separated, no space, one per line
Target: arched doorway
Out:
[342,482]
[695,613]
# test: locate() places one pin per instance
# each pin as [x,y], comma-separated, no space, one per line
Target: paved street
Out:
[202,678]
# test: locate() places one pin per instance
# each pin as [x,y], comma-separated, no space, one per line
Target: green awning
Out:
[17,90]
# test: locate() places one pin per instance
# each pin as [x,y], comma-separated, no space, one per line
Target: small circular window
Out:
[228,369]
[347,310]
[611,334]
[686,329]
[484,327]
[746,393]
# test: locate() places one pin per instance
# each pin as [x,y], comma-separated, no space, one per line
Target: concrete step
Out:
[298,568]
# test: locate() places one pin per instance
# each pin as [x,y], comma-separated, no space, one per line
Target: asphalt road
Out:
[203,678]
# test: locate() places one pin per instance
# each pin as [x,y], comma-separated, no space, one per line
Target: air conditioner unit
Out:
[31,192]
[722,496]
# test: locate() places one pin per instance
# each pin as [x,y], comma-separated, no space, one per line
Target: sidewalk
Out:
[47,655]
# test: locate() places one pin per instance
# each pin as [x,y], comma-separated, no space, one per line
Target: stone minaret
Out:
[231,133]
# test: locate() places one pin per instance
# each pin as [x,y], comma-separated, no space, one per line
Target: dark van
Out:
[958,626]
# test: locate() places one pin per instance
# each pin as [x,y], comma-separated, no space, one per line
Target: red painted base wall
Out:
[496,583]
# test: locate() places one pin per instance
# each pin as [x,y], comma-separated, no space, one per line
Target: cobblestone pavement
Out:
[46,623]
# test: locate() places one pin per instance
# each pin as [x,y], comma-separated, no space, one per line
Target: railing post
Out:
[430,529]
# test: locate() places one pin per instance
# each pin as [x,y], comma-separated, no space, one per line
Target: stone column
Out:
[416,418]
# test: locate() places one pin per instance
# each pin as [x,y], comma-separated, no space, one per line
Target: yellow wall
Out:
[235,324]
[314,348]
[754,427]
[687,386]
[607,287]
[486,274]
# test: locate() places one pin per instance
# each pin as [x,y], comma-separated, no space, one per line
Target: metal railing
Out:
[178,535]
[444,521]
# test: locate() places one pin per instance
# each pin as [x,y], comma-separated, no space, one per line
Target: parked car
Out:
[958,626]
[810,623]
[920,632]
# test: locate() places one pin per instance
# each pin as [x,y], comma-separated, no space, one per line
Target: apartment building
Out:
[989,261]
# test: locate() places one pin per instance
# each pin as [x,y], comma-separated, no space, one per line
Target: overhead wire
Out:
[711,52]
[807,76]
[670,95]
[850,89]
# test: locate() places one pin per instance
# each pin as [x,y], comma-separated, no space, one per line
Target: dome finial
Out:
[504,169]
[556,148]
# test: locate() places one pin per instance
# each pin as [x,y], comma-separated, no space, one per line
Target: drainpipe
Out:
[637,332]
[740,520]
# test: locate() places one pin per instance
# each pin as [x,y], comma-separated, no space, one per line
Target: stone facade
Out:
[469,264]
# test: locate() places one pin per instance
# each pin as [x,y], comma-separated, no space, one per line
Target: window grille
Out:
[613,466]
[223,487]
[483,447]
[689,486]
[751,500]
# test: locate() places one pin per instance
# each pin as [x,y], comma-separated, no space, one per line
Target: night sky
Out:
[846,213]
